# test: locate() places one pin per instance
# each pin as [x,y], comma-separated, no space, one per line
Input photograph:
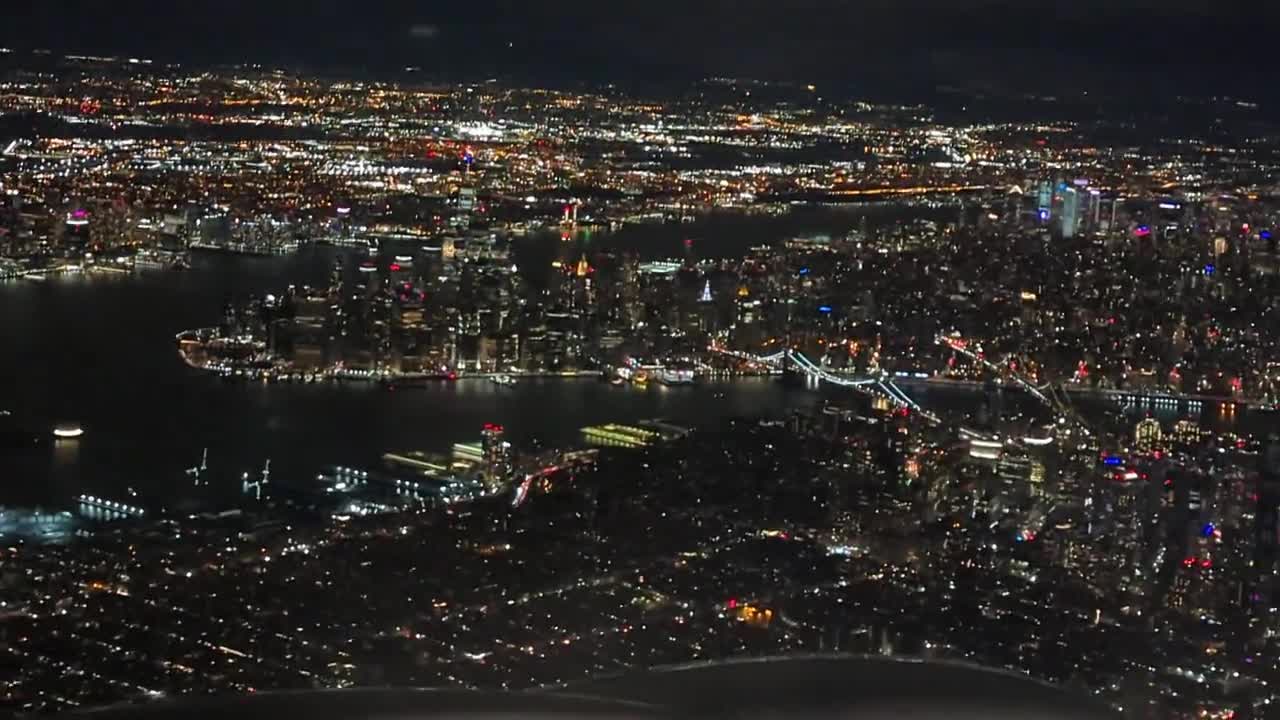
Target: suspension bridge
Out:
[880,385]
[1053,397]
[1048,393]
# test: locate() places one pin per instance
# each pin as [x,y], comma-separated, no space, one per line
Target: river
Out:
[98,350]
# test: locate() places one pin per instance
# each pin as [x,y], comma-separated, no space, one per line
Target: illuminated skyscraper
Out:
[1070,212]
[1044,201]
[497,457]
[632,307]
[582,287]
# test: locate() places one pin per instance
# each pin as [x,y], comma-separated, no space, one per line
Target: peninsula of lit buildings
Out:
[1094,513]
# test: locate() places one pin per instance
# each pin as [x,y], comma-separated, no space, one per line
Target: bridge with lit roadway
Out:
[1056,396]
[880,385]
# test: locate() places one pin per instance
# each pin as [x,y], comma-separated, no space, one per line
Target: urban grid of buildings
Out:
[1101,290]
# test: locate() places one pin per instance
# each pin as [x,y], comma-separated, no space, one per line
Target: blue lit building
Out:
[1044,201]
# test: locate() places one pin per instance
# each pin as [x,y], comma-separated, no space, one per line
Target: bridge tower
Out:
[791,375]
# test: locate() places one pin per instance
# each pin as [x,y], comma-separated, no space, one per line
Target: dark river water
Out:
[99,351]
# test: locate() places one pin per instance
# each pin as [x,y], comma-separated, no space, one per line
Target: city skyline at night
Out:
[513,353]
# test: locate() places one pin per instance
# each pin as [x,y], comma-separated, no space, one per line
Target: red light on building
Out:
[733,603]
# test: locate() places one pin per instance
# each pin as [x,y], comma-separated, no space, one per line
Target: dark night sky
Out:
[872,45]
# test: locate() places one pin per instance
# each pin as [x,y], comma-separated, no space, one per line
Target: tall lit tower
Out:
[1044,201]
[497,456]
[632,305]
[1070,212]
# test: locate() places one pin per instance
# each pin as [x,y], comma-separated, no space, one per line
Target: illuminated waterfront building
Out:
[1147,435]
[1186,433]
[612,435]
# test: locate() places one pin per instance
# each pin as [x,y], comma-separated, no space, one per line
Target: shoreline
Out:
[288,374]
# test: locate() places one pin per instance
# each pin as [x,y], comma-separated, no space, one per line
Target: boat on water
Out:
[672,376]
[503,380]
[67,431]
